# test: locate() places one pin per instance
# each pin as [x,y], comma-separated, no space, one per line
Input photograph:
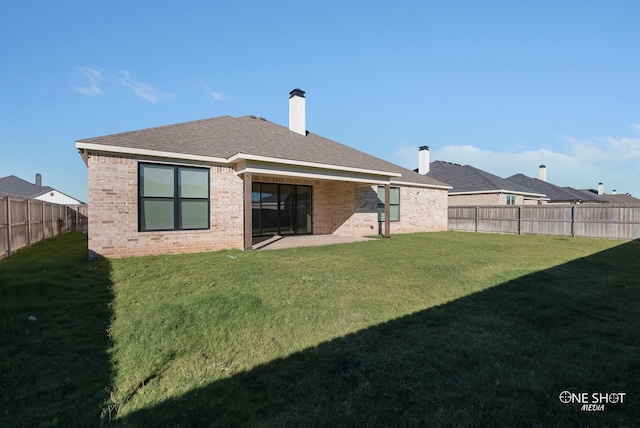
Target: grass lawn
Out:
[441,329]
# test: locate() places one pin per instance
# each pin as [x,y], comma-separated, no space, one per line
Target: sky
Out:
[504,86]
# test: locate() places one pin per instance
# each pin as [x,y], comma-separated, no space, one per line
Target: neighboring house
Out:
[12,185]
[473,186]
[613,198]
[555,194]
[222,183]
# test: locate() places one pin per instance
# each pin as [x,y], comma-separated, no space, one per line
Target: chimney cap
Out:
[424,148]
[296,92]
[543,166]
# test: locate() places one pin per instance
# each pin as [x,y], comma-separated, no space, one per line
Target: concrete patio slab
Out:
[281,242]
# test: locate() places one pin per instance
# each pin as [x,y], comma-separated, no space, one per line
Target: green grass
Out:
[54,370]
[441,329]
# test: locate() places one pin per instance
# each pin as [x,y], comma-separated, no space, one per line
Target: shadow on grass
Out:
[54,370]
[500,357]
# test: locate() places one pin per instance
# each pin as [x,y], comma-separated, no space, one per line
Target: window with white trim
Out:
[172,197]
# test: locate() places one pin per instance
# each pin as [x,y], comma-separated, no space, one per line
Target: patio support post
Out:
[248,224]
[387,211]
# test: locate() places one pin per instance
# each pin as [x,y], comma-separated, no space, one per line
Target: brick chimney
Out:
[423,160]
[297,112]
[542,173]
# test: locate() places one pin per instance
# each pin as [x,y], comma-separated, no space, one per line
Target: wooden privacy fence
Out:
[594,221]
[26,221]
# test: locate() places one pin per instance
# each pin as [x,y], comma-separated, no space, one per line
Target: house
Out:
[226,182]
[613,198]
[12,185]
[473,186]
[555,194]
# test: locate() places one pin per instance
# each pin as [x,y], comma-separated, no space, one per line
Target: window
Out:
[173,198]
[511,199]
[394,204]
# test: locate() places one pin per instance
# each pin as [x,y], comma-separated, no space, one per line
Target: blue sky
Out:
[501,85]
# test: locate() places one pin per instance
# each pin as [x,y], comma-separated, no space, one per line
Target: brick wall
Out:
[421,210]
[113,213]
[340,208]
[482,199]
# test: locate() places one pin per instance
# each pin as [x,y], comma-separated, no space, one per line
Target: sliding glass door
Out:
[280,209]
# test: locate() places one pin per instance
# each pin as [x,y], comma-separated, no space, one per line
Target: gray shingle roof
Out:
[466,178]
[12,185]
[226,136]
[618,198]
[553,192]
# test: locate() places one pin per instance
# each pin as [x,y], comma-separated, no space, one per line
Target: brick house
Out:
[555,194]
[226,182]
[473,186]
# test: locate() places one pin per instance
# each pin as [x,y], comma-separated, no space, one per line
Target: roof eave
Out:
[423,185]
[144,152]
[500,191]
[267,159]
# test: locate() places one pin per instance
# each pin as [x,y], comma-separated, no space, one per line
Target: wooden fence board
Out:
[596,221]
[26,221]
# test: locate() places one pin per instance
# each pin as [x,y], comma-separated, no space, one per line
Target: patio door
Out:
[280,209]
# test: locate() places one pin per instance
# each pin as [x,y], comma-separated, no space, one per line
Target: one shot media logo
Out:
[592,401]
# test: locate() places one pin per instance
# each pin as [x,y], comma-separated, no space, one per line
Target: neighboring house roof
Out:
[467,179]
[16,186]
[228,139]
[613,198]
[554,193]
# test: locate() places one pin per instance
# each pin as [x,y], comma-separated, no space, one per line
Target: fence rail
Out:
[26,221]
[594,221]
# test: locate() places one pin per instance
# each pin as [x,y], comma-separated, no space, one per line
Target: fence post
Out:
[28,222]
[8,225]
[520,220]
[573,220]
[477,217]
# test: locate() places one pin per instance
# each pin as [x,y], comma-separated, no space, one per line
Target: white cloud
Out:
[614,161]
[97,79]
[142,90]
[218,96]
[94,78]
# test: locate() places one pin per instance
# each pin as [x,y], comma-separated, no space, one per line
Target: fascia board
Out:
[248,157]
[147,152]
[423,185]
[309,173]
[511,192]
